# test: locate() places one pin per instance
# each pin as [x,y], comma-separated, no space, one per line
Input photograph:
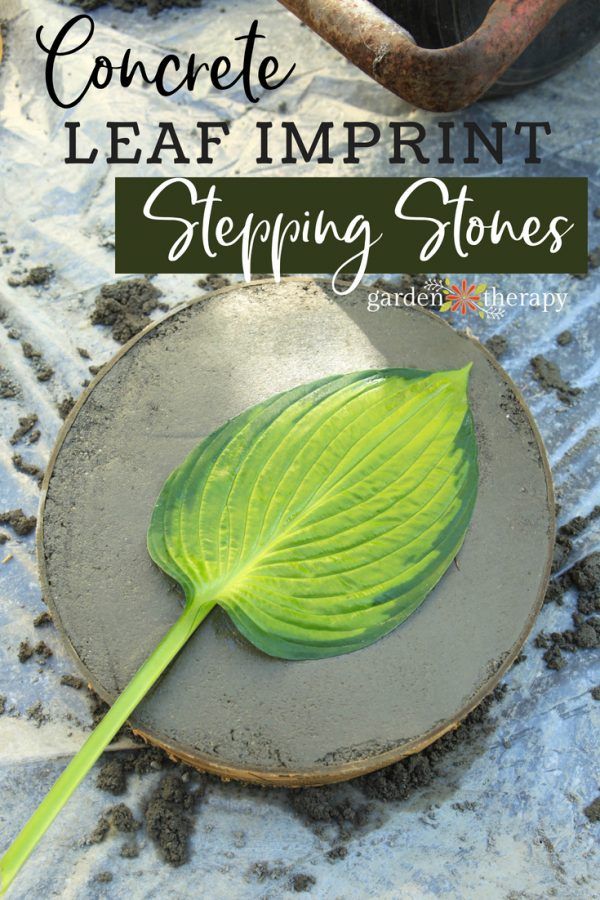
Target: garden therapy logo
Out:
[463,297]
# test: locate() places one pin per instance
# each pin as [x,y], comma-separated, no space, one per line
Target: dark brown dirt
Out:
[585,574]
[168,819]
[583,577]
[301,882]
[497,345]
[547,373]
[25,651]
[43,372]
[117,818]
[26,424]
[125,306]
[4,537]
[339,852]
[65,406]
[330,805]
[42,649]
[112,777]
[16,519]
[37,714]
[154,7]
[27,468]
[593,810]
[595,692]
[213,282]
[2,704]
[72,681]
[44,618]
[38,276]
[564,338]
[8,389]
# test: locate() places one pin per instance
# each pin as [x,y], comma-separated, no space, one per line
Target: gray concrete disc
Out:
[223,705]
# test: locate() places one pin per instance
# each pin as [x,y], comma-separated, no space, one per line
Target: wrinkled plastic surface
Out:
[529,780]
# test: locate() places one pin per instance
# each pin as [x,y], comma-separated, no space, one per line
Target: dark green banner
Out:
[327,225]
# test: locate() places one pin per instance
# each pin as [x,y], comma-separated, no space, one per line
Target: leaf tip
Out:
[461,376]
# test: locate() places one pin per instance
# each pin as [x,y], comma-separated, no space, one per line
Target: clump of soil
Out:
[16,519]
[2,704]
[4,537]
[585,574]
[497,345]
[339,852]
[126,306]
[548,374]
[72,681]
[329,805]
[8,389]
[168,820]
[593,810]
[43,618]
[584,636]
[564,338]
[302,882]
[584,577]
[43,372]
[65,406]
[112,777]
[25,651]
[595,692]
[26,424]
[38,276]
[213,282]
[116,818]
[42,649]
[152,6]
[27,468]
[563,547]
[37,714]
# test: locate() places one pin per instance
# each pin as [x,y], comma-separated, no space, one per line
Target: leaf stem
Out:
[136,690]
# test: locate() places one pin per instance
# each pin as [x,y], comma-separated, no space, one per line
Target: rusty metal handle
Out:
[441,80]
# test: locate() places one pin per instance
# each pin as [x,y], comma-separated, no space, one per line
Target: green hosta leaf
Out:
[320,519]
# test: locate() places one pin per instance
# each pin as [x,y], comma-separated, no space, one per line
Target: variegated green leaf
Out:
[321,518]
